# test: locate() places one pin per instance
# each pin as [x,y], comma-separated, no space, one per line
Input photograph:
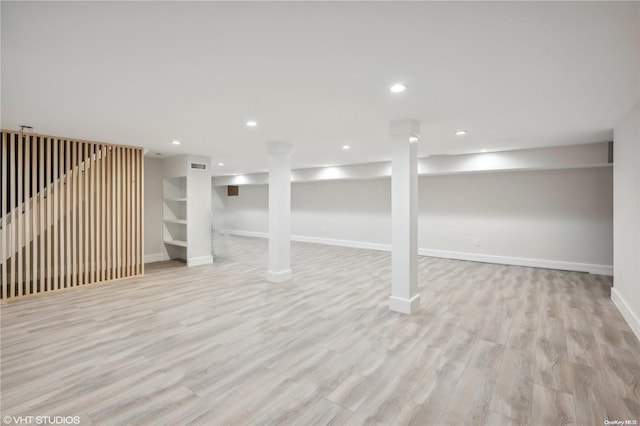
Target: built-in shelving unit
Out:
[175,217]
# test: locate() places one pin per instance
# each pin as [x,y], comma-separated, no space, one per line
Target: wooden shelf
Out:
[174,217]
[176,243]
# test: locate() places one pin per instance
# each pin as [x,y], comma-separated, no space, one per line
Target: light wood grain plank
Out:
[551,407]
[513,394]
[552,363]
[195,345]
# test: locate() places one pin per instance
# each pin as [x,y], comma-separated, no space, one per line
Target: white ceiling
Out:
[514,74]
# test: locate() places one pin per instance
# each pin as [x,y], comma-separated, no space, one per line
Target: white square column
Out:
[279,212]
[404,216]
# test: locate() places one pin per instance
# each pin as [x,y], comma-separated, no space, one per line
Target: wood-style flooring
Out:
[219,345]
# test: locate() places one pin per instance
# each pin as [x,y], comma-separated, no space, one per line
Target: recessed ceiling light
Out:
[484,150]
[461,132]
[175,142]
[413,139]
[346,147]
[220,164]
[251,123]
[158,153]
[398,88]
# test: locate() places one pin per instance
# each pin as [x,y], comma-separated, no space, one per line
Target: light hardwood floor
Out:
[218,345]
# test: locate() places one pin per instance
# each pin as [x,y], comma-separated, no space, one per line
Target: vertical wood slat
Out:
[112,213]
[110,210]
[107,213]
[92,216]
[127,211]
[123,211]
[12,203]
[27,216]
[72,213]
[99,210]
[118,175]
[42,217]
[94,213]
[138,206]
[141,215]
[81,215]
[67,209]
[19,220]
[101,216]
[123,216]
[53,184]
[61,213]
[48,174]
[87,219]
[34,214]
[5,251]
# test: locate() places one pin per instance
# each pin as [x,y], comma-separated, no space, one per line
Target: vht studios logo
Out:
[620,422]
[41,420]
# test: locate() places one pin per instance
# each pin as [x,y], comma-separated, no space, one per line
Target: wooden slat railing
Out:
[71,213]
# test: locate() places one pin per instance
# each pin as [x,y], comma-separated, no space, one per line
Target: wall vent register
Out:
[199,166]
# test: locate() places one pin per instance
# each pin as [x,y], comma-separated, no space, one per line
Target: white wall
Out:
[559,215]
[355,210]
[152,209]
[246,212]
[626,291]
[199,212]
[533,217]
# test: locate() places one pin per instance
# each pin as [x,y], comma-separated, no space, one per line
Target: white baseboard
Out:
[316,240]
[200,260]
[404,306]
[246,233]
[520,261]
[341,243]
[629,316]
[473,257]
[155,257]
[279,277]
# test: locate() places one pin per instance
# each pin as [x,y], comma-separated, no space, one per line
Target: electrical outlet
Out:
[476,242]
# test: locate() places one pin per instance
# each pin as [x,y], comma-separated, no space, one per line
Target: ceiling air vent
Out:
[199,166]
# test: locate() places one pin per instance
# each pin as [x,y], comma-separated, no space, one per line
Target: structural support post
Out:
[404,216]
[279,211]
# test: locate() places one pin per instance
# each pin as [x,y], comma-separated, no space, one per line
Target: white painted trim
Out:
[154,257]
[279,277]
[200,260]
[473,257]
[520,261]
[404,306]
[316,240]
[342,243]
[246,233]
[629,316]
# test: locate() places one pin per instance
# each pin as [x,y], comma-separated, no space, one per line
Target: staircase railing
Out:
[71,213]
